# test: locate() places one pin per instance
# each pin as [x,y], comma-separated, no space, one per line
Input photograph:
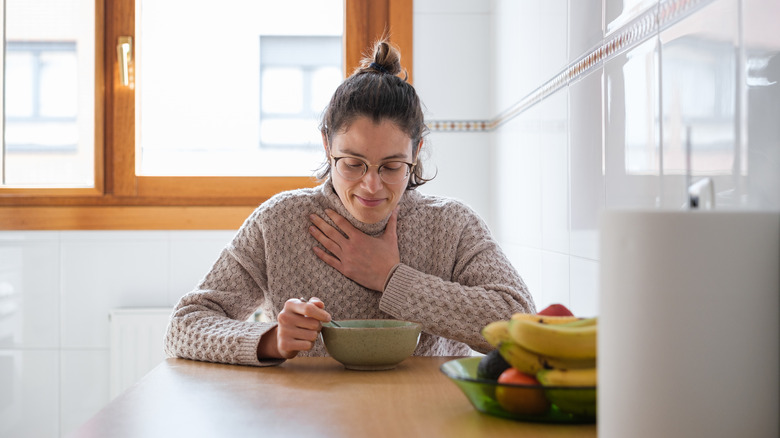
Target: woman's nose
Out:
[371,180]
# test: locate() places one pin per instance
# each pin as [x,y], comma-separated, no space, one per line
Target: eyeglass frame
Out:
[367,166]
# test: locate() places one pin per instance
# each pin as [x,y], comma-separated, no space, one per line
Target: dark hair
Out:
[376,91]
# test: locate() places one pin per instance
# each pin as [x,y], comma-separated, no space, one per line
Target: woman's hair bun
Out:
[386,59]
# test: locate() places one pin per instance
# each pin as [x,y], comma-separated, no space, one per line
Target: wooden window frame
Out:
[122,200]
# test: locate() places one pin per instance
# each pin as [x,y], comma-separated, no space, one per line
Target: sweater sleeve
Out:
[210,323]
[484,287]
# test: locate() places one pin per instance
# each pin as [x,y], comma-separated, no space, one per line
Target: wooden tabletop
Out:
[304,397]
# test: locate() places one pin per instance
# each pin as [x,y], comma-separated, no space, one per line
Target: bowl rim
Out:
[414,324]
[443,368]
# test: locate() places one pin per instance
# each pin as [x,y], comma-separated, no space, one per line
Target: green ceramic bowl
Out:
[573,405]
[371,344]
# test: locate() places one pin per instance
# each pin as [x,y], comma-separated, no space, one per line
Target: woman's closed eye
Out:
[394,166]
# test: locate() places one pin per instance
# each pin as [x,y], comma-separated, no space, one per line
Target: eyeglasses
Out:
[391,172]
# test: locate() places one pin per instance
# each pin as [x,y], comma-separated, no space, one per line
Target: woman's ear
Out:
[325,143]
[417,153]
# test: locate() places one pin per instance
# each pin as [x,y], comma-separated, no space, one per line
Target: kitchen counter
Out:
[303,397]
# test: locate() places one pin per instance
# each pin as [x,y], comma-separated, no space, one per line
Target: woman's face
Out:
[369,199]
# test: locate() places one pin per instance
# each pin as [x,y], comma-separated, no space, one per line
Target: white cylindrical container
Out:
[689,326]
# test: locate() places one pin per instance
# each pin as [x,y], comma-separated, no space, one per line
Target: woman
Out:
[365,243]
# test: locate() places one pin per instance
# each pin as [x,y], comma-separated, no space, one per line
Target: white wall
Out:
[614,137]
[451,73]
[56,289]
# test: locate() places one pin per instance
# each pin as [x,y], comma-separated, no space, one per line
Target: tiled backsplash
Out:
[667,93]
[643,25]
[56,289]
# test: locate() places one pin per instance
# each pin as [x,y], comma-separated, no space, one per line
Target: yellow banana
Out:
[531,363]
[562,363]
[496,332]
[520,358]
[573,377]
[545,319]
[582,322]
[556,340]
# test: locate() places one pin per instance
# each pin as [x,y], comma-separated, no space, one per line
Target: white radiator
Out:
[136,344]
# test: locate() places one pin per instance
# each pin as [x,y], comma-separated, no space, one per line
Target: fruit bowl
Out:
[567,404]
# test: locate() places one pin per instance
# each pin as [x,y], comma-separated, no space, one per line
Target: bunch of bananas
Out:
[560,351]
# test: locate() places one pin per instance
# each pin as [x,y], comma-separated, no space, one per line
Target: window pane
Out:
[291,131]
[59,84]
[324,81]
[236,100]
[19,68]
[48,138]
[282,90]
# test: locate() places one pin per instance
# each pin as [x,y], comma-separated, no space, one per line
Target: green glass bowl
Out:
[572,405]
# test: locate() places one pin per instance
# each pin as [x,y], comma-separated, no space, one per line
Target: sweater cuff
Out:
[394,299]
[247,348]
[389,276]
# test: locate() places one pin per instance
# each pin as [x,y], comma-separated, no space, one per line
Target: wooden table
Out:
[304,397]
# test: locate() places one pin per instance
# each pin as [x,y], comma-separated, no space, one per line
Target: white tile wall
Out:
[518,181]
[84,385]
[102,270]
[555,280]
[583,286]
[585,26]
[516,71]
[761,133]
[619,12]
[699,92]
[29,285]
[632,128]
[553,37]
[452,63]
[191,255]
[56,289]
[625,127]
[29,400]
[553,142]
[586,170]
[459,160]
[528,262]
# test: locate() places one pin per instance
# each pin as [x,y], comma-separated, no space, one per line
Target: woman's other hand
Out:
[363,259]
[299,324]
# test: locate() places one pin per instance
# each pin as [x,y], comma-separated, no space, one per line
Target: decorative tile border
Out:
[631,34]
[460,125]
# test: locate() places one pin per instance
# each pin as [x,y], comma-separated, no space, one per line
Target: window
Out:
[48,95]
[297,77]
[121,192]
[251,120]
[41,103]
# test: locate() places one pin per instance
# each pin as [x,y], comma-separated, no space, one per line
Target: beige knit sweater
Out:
[453,278]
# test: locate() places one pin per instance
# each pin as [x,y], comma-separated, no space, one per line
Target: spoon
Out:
[332,321]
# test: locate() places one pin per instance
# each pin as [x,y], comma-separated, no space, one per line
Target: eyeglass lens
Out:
[354,169]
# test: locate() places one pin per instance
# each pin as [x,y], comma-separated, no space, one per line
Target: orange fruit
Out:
[520,400]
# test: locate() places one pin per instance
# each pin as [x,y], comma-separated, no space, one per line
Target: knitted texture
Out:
[453,278]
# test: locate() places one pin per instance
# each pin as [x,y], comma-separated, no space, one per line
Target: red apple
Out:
[555,310]
[529,400]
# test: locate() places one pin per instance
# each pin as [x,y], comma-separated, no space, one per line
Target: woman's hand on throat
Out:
[363,259]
